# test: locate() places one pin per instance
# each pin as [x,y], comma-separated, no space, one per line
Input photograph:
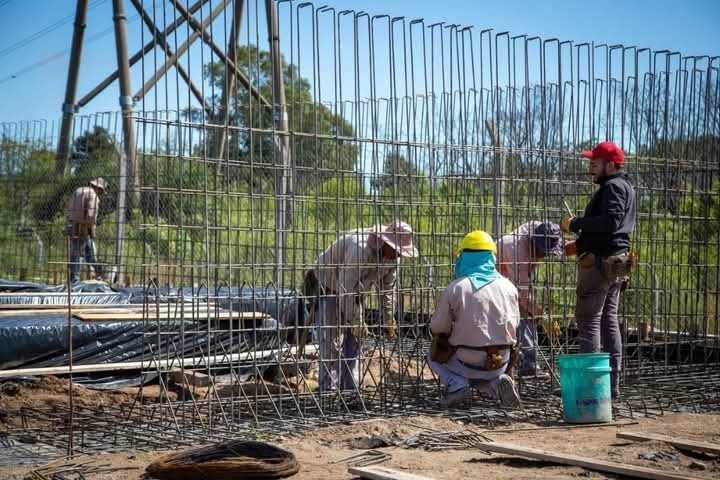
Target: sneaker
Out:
[507,393]
[453,399]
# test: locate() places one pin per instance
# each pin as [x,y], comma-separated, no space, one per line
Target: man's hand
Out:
[565,223]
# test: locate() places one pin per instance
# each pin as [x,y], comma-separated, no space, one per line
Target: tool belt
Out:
[441,351]
[616,266]
[612,266]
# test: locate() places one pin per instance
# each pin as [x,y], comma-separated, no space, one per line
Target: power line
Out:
[41,33]
[59,55]
[4,2]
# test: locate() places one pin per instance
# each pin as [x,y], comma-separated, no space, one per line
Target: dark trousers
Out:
[596,314]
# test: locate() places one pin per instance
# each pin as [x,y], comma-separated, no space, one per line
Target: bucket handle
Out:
[598,369]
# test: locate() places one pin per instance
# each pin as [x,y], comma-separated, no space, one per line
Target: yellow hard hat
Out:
[477,240]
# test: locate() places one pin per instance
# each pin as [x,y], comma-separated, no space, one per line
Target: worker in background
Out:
[343,276]
[474,327]
[519,254]
[81,221]
[604,261]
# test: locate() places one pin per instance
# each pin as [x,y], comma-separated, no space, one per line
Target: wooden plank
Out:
[693,445]
[384,473]
[164,364]
[585,462]
[187,314]
[190,377]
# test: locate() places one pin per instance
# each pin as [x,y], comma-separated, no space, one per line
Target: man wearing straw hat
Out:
[604,258]
[344,273]
[474,327]
[82,211]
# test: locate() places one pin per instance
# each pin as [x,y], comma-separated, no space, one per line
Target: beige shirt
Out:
[350,266]
[477,318]
[514,262]
[83,206]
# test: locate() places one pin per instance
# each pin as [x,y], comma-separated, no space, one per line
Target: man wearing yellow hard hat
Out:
[474,327]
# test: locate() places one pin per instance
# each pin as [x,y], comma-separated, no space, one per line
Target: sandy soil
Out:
[317,450]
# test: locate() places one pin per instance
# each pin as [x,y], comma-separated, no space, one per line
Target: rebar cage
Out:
[236,186]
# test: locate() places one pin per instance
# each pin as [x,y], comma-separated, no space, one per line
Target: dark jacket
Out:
[609,218]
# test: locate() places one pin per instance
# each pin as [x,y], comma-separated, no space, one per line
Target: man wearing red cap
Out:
[604,261]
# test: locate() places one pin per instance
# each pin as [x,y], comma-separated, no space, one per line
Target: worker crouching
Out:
[474,327]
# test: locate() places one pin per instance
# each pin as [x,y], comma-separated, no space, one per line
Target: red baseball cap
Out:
[608,151]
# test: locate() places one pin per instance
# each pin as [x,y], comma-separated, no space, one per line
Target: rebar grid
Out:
[111,429]
[234,192]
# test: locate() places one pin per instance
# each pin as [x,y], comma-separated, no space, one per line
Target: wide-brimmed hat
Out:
[99,183]
[399,235]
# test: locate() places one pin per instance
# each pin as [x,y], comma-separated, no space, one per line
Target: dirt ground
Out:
[317,450]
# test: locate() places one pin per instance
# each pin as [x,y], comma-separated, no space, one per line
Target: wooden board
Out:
[162,364]
[693,445]
[384,473]
[585,462]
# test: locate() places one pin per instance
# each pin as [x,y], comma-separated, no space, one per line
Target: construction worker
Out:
[474,327]
[604,260]
[81,220]
[343,275]
[519,254]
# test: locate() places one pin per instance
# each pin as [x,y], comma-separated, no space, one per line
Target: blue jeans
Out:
[87,247]
[454,376]
[339,349]
[528,337]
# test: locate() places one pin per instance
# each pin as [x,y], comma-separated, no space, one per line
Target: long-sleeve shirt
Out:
[82,208]
[484,317]
[515,263]
[609,218]
[350,266]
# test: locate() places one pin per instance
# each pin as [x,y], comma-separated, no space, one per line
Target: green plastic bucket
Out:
[585,387]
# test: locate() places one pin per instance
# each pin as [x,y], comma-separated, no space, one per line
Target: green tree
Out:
[93,155]
[318,153]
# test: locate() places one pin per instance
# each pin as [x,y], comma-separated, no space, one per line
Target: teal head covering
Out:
[479,267]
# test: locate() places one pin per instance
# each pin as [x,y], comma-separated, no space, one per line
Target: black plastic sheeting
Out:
[41,340]
[282,304]
[83,293]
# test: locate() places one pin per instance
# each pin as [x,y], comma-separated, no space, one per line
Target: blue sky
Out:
[33,73]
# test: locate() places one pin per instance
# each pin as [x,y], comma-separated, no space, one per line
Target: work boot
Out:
[456,398]
[506,392]
[614,385]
